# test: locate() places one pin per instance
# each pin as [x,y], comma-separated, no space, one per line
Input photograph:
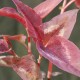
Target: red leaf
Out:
[60,25]
[33,19]
[3,46]
[29,13]
[62,53]
[46,7]
[11,12]
[77,2]
[8,61]
[27,69]
[20,38]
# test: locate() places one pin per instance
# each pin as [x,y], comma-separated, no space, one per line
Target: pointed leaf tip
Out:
[61,25]
[46,7]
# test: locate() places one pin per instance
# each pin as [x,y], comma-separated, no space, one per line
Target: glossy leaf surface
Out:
[62,53]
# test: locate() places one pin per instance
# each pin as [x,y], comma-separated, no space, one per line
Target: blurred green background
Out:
[12,27]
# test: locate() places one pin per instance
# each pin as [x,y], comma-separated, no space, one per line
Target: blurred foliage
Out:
[12,27]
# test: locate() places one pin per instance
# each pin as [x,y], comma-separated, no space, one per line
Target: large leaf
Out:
[46,7]
[60,25]
[62,53]
[30,15]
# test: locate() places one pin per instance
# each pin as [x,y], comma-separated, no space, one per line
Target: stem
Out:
[67,5]
[49,71]
[29,44]
[64,3]
[39,60]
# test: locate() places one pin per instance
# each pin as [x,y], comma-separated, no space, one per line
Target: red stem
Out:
[49,70]
[29,44]
[39,60]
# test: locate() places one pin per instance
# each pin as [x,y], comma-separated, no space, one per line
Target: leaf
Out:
[25,66]
[4,46]
[61,25]
[8,61]
[27,69]
[20,38]
[62,53]
[46,7]
[11,12]
[33,19]
[29,13]
[77,2]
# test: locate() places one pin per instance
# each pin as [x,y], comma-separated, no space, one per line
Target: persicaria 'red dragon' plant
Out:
[51,39]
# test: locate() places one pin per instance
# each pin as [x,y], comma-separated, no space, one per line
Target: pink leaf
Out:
[62,53]
[3,46]
[46,7]
[60,25]
[27,69]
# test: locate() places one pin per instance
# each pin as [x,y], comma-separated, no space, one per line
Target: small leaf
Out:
[27,69]
[3,46]
[25,66]
[20,38]
[46,7]
[62,53]
[8,61]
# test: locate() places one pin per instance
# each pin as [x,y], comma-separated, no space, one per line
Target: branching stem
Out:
[66,6]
